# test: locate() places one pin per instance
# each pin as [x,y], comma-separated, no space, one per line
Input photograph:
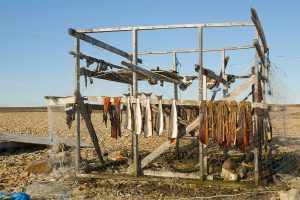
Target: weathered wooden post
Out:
[225,87]
[134,91]
[77,89]
[174,68]
[256,121]
[200,77]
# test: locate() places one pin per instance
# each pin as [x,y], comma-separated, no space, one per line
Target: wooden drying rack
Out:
[134,73]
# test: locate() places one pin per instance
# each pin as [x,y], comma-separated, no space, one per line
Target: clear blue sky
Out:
[34,42]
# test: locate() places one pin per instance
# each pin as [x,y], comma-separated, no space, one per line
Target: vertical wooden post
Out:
[77,89]
[200,77]
[134,91]
[225,87]
[256,129]
[205,147]
[174,68]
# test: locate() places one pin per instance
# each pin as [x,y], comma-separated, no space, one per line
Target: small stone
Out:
[228,175]
[241,170]
[40,167]
[228,164]
[115,156]
[10,162]
[249,157]
[295,184]
[59,147]
[78,192]
[292,194]
[213,177]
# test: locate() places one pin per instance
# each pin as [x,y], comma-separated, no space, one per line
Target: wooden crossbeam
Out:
[166,145]
[89,125]
[194,50]
[176,26]
[209,73]
[98,100]
[259,29]
[100,44]
[246,84]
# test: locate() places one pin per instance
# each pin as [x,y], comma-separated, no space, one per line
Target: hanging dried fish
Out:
[138,117]
[116,117]
[106,103]
[203,129]
[160,117]
[148,119]
[173,129]
[128,122]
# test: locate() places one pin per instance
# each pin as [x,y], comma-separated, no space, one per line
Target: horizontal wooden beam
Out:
[195,50]
[176,26]
[90,58]
[259,29]
[100,44]
[169,174]
[98,100]
[246,84]
[259,52]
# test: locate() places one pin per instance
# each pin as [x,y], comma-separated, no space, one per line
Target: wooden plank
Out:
[106,176]
[194,50]
[89,125]
[246,84]
[258,50]
[259,29]
[98,100]
[100,44]
[176,26]
[166,145]
[169,174]
[42,140]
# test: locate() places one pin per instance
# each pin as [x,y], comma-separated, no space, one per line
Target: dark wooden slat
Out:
[42,140]
[100,44]
[89,125]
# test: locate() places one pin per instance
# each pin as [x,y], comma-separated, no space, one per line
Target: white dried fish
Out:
[138,117]
[148,119]
[128,124]
[173,129]
[160,119]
